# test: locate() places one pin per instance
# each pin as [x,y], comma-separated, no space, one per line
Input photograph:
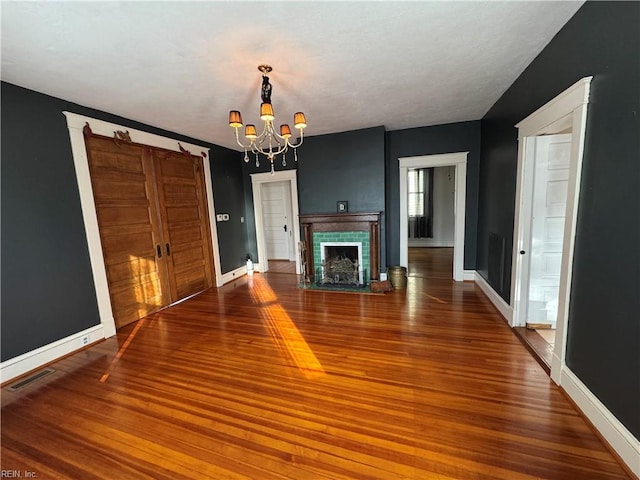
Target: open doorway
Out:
[457,164]
[550,147]
[275,206]
[545,188]
[431,221]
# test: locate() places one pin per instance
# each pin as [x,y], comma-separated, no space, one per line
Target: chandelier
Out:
[269,143]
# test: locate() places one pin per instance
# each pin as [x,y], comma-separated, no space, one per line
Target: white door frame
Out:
[568,111]
[76,123]
[257,180]
[459,161]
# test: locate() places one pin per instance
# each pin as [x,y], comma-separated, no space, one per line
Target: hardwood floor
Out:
[434,262]
[282,266]
[262,380]
[539,347]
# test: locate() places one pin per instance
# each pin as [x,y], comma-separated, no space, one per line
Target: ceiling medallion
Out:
[269,143]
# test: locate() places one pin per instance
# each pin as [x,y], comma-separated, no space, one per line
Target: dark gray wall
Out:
[603,40]
[450,138]
[47,286]
[228,197]
[341,166]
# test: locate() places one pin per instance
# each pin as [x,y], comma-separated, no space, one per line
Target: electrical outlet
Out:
[219,217]
[225,217]
[84,340]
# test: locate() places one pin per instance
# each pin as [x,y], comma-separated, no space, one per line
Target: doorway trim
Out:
[75,124]
[568,111]
[257,180]
[459,161]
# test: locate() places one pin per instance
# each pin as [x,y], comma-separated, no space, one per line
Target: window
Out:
[416,193]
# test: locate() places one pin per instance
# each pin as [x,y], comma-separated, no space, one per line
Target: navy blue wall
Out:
[47,285]
[449,138]
[603,40]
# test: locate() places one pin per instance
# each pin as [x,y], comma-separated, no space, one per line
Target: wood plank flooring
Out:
[430,262]
[282,266]
[261,380]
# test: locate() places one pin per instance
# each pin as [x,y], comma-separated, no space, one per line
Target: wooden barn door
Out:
[185,223]
[153,221]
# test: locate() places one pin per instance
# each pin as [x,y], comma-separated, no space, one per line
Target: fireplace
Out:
[347,229]
[341,264]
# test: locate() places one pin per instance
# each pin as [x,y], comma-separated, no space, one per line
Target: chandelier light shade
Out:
[235,119]
[269,142]
[266,112]
[299,121]
[250,132]
[285,131]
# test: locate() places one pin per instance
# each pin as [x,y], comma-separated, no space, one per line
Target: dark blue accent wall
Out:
[438,139]
[47,286]
[603,343]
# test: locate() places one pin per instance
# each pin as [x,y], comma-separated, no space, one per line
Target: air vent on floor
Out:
[30,379]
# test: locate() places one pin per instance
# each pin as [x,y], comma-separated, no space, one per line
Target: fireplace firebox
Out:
[341,264]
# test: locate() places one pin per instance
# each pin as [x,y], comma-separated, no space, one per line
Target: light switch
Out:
[225,217]
[219,217]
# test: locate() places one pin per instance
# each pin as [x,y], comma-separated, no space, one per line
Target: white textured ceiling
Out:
[182,66]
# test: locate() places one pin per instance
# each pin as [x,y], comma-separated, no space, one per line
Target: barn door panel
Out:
[183,208]
[124,194]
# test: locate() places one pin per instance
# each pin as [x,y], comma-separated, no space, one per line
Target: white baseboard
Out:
[34,359]
[613,431]
[469,275]
[429,243]
[503,307]
[383,276]
[233,274]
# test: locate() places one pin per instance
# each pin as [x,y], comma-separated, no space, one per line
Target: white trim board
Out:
[76,124]
[234,274]
[613,431]
[503,307]
[257,179]
[566,111]
[422,243]
[469,275]
[459,161]
[34,359]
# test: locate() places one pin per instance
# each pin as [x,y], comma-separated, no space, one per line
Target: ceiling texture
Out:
[182,66]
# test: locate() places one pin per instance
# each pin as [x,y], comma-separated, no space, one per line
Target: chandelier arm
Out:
[265,131]
[301,139]
[255,148]
[238,139]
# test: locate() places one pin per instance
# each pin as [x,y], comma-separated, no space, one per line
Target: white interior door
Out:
[276,225]
[550,182]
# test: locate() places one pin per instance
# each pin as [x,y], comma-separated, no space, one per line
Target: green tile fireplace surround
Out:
[343,227]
